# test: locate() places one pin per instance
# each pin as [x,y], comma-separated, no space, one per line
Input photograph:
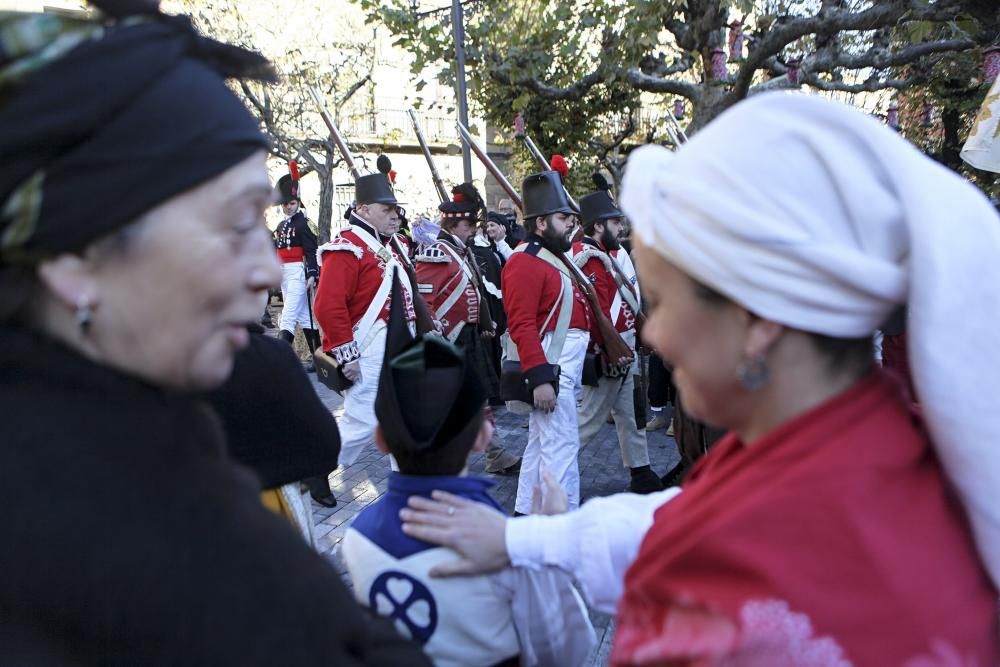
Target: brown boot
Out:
[501,462]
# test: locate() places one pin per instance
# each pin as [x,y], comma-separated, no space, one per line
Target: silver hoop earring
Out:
[83,316]
[754,373]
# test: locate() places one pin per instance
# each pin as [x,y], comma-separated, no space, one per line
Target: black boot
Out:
[644,480]
[674,476]
[314,342]
[286,336]
[319,489]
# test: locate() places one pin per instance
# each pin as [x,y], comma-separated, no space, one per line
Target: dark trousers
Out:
[661,386]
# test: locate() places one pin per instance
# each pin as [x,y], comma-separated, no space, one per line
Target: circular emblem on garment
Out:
[406,601]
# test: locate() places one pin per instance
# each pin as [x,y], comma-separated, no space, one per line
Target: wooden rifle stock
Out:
[438,182]
[614,346]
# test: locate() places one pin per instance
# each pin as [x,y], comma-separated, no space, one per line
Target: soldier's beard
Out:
[610,241]
[555,241]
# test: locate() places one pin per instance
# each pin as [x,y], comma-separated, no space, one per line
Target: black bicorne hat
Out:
[427,395]
[288,185]
[288,190]
[543,194]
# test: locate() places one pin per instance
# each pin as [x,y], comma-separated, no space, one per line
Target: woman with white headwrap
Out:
[830,526]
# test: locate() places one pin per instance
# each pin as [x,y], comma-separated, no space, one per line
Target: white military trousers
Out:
[357,423]
[293,294]
[553,438]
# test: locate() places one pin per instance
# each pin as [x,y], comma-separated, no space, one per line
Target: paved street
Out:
[601,473]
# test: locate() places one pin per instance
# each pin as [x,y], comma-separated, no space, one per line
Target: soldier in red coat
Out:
[609,269]
[537,289]
[352,304]
[450,281]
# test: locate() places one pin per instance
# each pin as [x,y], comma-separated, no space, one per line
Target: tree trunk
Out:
[710,104]
[325,217]
[951,148]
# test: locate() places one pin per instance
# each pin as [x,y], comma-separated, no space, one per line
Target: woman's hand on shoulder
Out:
[474,530]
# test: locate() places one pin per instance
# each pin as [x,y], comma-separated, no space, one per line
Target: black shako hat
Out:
[465,204]
[543,194]
[427,394]
[376,188]
[598,206]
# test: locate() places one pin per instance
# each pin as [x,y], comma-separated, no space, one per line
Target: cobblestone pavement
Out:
[601,474]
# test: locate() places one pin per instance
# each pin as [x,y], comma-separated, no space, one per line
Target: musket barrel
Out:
[335,134]
[490,165]
[540,159]
[438,182]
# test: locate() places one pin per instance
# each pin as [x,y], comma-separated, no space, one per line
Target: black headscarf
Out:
[135,111]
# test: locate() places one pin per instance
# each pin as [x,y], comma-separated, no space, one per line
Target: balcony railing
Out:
[395,125]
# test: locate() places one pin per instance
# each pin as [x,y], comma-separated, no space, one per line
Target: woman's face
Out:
[702,340]
[173,298]
[495,231]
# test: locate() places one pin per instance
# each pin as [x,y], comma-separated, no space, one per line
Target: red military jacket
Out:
[354,264]
[531,287]
[446,283]
[593,260]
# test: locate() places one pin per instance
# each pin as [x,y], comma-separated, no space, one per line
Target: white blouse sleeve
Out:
[505,249]
[596,543]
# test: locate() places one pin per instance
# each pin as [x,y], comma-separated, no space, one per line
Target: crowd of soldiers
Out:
[511,294]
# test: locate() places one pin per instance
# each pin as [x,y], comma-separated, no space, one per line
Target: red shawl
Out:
[831,541]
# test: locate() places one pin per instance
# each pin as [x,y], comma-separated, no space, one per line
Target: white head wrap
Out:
[816,216]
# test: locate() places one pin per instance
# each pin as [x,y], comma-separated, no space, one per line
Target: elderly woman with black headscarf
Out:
[831,526]
[133,256]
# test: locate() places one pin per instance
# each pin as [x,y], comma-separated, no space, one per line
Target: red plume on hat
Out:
[558,163]
[293,171]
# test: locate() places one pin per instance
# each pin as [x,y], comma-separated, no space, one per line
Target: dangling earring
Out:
[83,315]
[753,373]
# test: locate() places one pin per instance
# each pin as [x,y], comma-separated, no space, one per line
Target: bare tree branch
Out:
[355,87]
[871,85]
[655,84]
[572,93]
[829,21]
[882,59]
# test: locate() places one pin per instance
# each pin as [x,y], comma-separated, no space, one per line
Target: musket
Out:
[335,134]
[438,183]
[514,195]
[543,163]
[487,325]
[615,347]
[425,321]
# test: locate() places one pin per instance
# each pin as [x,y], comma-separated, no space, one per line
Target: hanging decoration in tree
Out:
[926,114]
[991,64]
[679,108]
[892,115]
[519,124]
[793,66]
[719,65]
[736,40]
